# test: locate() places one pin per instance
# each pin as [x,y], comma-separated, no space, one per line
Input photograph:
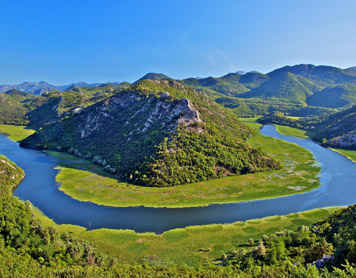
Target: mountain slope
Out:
[319,75]
[287,86]
[338,130]
[334,96]
[11,110]
[157,133]
[228,85]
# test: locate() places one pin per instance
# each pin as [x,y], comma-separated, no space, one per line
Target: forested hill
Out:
[338,130]
[156,133]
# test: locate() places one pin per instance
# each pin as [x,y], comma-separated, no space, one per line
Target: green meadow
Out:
[189,246]
[291,131]
[16,133]
[85,181]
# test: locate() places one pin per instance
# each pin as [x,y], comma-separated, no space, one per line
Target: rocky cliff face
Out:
[149,111]
[346,141]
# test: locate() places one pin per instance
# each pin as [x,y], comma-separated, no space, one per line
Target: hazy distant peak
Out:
[241,72]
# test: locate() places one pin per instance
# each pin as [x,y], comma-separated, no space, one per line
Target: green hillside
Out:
[10,176]
[320,75]
[228,85]
[288,87]
[11,111]
[338,130]
[334,96]
[157,133]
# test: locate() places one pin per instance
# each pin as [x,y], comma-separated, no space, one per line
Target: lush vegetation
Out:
[157,133]
[333,237]
[11,110]
[301,90]
[10,176]
[190,246]
[31,245]
[21,236]
[85,181]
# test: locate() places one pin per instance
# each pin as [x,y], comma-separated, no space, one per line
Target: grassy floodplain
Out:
[189,245]
[83,181]
[16,133]
[292,131]
[350,154]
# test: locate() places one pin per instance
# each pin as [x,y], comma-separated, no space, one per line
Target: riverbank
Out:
[82,180]
[10,176]
[300,133]
[350,154]
[189,246]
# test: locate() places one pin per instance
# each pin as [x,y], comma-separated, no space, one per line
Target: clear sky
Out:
[64,41]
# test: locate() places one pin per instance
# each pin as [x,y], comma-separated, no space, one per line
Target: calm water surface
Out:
[338,178]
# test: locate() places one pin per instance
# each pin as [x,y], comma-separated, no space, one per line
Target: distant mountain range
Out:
[300,90]
[39,88]
[151,132]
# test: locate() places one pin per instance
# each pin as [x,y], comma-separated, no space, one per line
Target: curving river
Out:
[338,179]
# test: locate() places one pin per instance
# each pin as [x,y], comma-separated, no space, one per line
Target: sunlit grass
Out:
[292,131]
[16,133]
[250,119]
[189,245]
[350,154]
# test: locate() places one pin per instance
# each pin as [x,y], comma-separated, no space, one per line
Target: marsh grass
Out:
[16,133]
[295,132]
[350,154]
[189,245]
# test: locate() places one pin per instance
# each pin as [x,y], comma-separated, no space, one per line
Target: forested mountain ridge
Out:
[156,133]
[299,90]
[289,89]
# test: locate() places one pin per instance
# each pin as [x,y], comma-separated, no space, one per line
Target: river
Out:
[338,179]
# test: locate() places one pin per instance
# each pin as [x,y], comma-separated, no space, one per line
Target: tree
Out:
[260,251]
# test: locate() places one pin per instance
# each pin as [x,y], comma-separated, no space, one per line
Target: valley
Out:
[178,139]
[170,177]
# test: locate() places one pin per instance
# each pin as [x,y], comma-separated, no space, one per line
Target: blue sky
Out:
[63,41]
